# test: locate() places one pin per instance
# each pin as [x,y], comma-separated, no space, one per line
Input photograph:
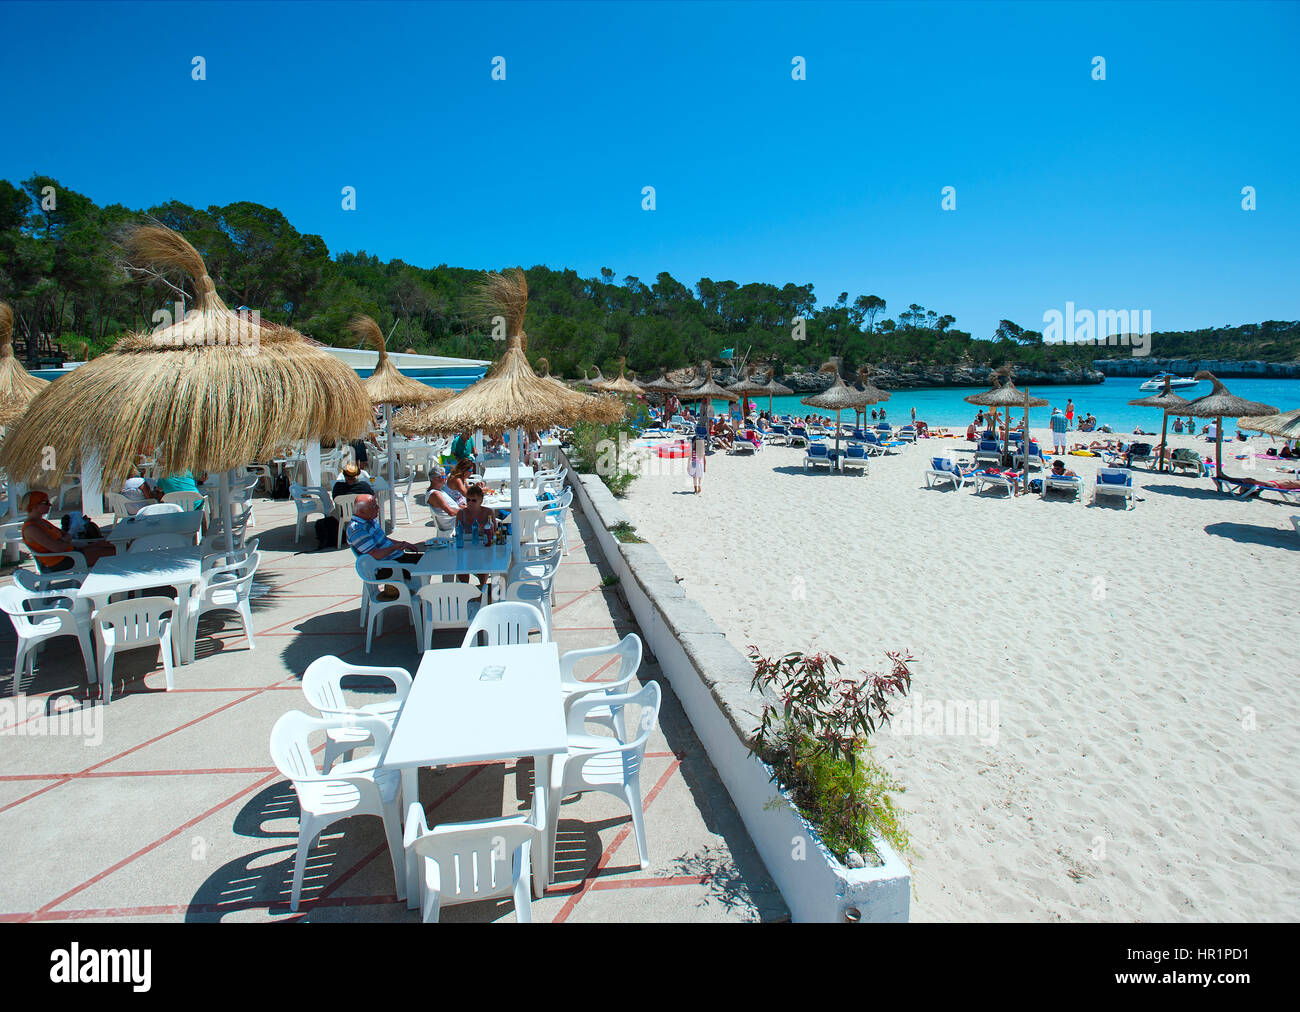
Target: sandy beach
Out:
[1132,675]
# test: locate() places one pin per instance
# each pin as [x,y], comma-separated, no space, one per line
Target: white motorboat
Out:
[1175,382]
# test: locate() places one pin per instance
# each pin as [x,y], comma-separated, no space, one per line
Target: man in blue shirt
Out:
[367,537]
[1059,426]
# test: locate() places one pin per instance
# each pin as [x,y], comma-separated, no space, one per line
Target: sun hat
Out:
[351,469]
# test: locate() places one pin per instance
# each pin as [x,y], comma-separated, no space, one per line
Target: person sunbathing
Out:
[1059,470]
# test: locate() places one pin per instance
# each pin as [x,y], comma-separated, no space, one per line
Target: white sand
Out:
[1143,664]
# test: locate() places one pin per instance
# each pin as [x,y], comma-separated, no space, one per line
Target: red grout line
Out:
[104,775]
[186,908]
[648,883]
[311,614]
[617,842]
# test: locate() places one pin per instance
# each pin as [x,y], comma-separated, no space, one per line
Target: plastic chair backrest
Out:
[117,503]
[159,509]
[649,697]
[505,623]
[817,450]
[185,499]
[449,604]
[475,860]
[137,621]
[345,506]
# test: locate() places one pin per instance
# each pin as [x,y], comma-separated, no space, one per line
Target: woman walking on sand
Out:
[700,445]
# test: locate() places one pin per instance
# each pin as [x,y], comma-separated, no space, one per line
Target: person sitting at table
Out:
[458,481]
[182,481]
[46,541]
[440,502]
[462,447]
[350,482]
[138,493]
[367,537]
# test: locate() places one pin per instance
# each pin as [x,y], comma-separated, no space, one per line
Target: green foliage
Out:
[626,533]
[815,740]
[59,271]
[610,581]
[602,449]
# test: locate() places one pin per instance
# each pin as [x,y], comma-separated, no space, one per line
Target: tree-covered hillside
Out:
[60,271]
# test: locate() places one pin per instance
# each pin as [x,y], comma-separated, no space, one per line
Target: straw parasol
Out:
[746,386]
[1221,403]
[774,389]
[511,396]
[621,385]
[707,391]
[17,385]
[1285,425]
[389,387]
[213,391]
[1007,396]
[837,397]
[867,392]
[1167,401]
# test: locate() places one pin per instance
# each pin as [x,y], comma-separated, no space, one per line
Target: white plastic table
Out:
[468,560]
[527,500]
[451,716]
[185,522]
[497,475]
[135,571]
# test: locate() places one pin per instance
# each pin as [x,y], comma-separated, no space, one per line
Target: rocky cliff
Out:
[1223,368]
[906,376]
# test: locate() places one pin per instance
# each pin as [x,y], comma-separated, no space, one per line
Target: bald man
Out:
[367,537]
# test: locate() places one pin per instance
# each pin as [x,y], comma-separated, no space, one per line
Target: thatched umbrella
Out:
[621,385]
[594,381]
[17,385]
[1167,401]
[867,392]
[1285,425]
[746,386]
[1007,396]
[214,390]
[837,397]
[1221,403]
[511,396]
[706,392]
[388,386]
[774,389]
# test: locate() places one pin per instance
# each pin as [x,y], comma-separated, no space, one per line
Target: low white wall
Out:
[712,680]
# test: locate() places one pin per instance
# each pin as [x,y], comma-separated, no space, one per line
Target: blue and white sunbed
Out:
[1114,482]
[818,455]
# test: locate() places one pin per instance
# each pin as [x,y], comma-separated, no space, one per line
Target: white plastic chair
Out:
[352,788]
[215,539]
[157,542]
[225,584]
[505,623]
[158,509]
[344,506]
[322,684]
[402,494]
[71,483]
[118,504]
[446,606]
[309,501]
[628,650]
[372,607]
[39,617]
[592,764]
[467,862]
[188,501]
[127,625]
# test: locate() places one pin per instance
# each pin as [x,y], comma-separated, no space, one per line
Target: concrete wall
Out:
[712,680]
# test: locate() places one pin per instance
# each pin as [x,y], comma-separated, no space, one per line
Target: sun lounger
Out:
[1247,488]
[855,455]
[1186,460]
[988,451]
[1071,484]
[798,437]
[1035,456]
[778,436]
[906,433]
[1114,482]
[871,449]
[944,469]
[1006,481]
[818,456]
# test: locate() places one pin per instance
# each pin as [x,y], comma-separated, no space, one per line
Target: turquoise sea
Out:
[1108,401]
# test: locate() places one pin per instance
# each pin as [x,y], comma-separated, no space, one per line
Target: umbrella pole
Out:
[1218,445]
[515,518]
[1025,447]
[227,510]
[1164,449]
[837,437]
[388,432]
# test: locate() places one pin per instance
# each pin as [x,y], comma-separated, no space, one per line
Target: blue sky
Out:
[1123,193]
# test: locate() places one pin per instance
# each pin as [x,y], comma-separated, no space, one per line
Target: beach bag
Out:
[1036,485]
[280,490]
[327,532]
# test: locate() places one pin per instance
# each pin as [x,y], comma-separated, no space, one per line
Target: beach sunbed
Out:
[1248,488]
[907,433]
[944,469]
[818,455]
[871,449]
[798,437]
[1114,482]
[1072,484]
[778,436]
[1006,482]
[855,455]
[988,451]
[1035,456]
[1183,459]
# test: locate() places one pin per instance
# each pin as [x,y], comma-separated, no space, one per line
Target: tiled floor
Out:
[165,806]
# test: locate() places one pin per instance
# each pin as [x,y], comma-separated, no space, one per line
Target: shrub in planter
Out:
[815,741]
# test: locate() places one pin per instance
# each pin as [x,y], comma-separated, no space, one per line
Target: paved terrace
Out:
[177,814]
